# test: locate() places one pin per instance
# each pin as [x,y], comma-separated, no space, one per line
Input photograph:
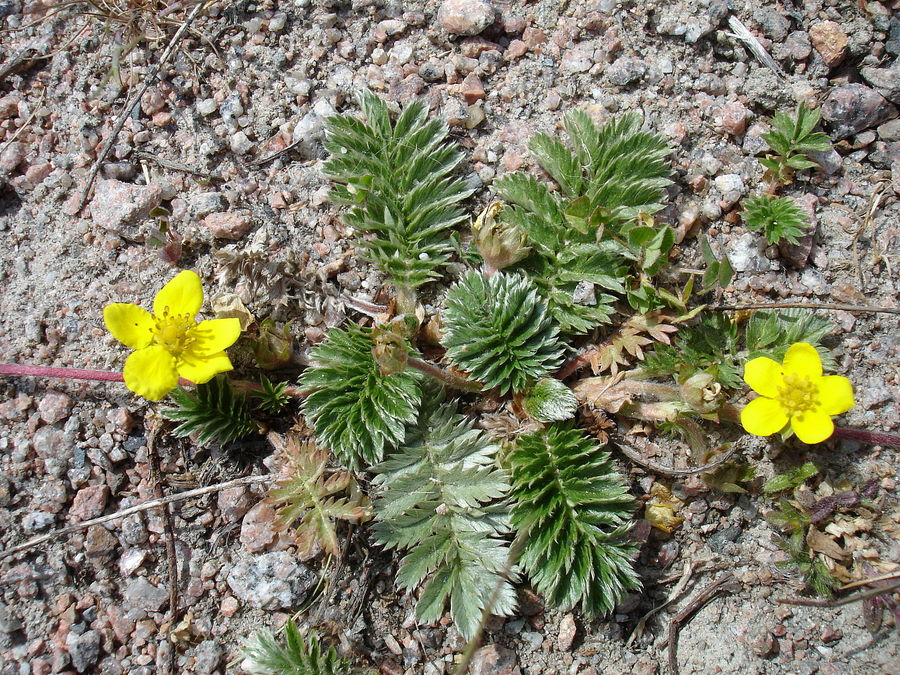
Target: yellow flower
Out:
[795,392]
[169,342]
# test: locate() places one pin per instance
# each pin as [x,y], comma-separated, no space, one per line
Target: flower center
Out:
[172,331]
[799,395]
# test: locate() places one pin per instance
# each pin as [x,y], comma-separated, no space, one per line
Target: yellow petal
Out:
[812,427]
[835,394]
[150,372]
[803,359]
[213,335]
[763,417]
[764,376]
[182,295]
[131,325]
[200,369]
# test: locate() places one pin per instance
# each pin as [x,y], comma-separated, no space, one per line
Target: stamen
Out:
[799,395]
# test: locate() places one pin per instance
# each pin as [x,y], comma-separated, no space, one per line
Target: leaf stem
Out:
[64,373]
[867,437]
[445,376]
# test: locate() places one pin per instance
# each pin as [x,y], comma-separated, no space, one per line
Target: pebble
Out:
[11,157]
[277,22]
[851,108]
[141,594]
[465,17]
[84,650]
[830,41]
[257,528]
[472,89]
[626,70]
[234,503]
[890,131]
[495,660]
[207,656]
[271,581]
[567,632]
[732,118]
[578,59]
[207,106]
[117,204]
[54,406]
[89,502]
[885,80]
[131,561]
[36,521]
[240,144]
[227,225]
[99,542]
[201,204]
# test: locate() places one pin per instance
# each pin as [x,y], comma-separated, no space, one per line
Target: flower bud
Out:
[500,244]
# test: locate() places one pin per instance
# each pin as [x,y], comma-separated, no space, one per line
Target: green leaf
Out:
[550,401]
[400,182]
[356,412]
[442,501]
[214,412]
[572,511]
[300,655]
[498,330]
[791,479]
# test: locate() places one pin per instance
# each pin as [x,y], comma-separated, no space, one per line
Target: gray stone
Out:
[35,521]
[202,204]
[84,649]
[465,17]
[495,660]
[240,144]
[144,595]
[626,70]
[50,442]
[885,80]
[854,107]
[9,622]
[11,157]
[207,656]
[207,106]
[718,539]
[117,205]
[271,581]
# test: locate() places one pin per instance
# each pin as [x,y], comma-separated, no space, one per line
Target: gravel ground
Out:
[229,142]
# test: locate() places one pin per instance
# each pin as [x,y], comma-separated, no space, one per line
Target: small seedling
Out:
[779,218]
[792,139]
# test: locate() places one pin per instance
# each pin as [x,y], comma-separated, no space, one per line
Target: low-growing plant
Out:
[792,140]
[778,218]
[262,654]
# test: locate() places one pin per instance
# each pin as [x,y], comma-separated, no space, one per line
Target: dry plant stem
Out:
[635,456]
[448,378]
[135,99]
[685,615]
[146,506]
[172,560]
[814,602]
[803,305]
[872,580]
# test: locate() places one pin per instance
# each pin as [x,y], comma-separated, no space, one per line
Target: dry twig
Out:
[152,504]
[863,595]
[634,455]
[135,99]
[684,616]
[803,305]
